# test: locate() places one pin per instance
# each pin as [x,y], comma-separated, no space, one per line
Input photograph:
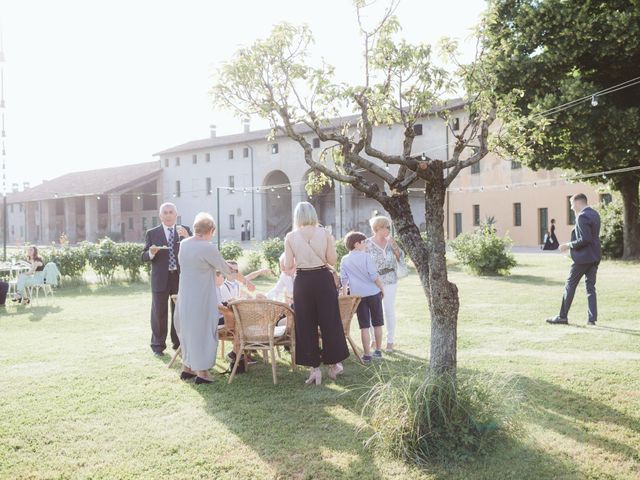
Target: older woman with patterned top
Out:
[386,254]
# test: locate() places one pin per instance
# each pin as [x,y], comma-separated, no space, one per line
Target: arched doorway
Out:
[324,203]
[276,204]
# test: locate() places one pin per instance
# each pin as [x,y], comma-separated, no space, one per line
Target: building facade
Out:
[251,185]
[120,202]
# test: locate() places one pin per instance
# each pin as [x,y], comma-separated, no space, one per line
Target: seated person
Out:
[283,289]
[358,271]
[26,279]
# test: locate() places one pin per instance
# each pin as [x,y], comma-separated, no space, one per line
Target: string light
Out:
[594,100]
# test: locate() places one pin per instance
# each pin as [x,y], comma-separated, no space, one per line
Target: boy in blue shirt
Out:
[358,271]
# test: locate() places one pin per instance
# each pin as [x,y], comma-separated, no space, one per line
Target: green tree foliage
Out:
[611,229]
[71,261]
[104,259]
[544,54]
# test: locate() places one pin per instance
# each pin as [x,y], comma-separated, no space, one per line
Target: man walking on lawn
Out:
[586,254]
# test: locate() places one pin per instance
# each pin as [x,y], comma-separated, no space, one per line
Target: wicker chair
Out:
[255,322]
[348,306]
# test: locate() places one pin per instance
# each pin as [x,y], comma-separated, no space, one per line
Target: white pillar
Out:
[91,218]
[115,215]
[70,227]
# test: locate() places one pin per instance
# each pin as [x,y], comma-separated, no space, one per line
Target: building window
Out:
[605,198]
[232,222]
[476,215]
[455,124]
[208,181]
[154,221]
[475,168]
[166,163]
[274,148]
[177,188]
[177,161]
[144,223]
[316,143]
[11,208]
[232,183]
[571,215]
[458,223]
[417,129]
[245,152]
[207,157]
[517,214]
[194,159]
[515,165]
[130,223]
[230,155]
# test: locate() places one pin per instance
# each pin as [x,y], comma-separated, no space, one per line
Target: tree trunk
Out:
[444,303]
[628,187]
[430,261]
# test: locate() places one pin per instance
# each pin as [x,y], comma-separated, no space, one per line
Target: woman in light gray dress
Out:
[197,304]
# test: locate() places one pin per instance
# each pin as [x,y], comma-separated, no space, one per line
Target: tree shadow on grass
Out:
[38,312]
[528,280]
[312,432]
[564,411]
[115,290]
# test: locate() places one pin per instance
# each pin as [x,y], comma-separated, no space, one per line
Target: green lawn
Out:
[81,396]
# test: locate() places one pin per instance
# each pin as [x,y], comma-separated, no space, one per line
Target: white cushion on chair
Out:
[279,330]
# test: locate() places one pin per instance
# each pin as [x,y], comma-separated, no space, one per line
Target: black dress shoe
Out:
[187,376]
[175,347]
[200,380]
[158,354]
[558,321]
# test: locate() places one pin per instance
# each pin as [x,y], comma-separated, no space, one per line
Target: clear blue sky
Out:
[91,84]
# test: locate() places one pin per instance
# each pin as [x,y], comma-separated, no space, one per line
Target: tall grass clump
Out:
[438,418]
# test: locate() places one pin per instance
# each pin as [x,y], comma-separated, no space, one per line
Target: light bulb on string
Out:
[535,185]
[604,176]
[506,187]
[98,197]
[273,189]
[594,100]
[278,196]
[289,187]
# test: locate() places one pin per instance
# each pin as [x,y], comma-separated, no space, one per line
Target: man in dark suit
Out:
[586,254]
[161,247]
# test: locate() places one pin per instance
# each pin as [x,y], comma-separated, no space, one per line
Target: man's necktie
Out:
[173,265]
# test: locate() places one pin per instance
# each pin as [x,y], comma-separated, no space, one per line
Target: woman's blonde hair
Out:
[203,224]
[304,214]
[376,223]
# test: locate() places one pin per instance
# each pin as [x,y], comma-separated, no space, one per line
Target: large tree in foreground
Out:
[401,84]
[546,54]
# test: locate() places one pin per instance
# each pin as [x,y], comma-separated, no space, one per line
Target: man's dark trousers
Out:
[159,314]
[586,253]
[578,270]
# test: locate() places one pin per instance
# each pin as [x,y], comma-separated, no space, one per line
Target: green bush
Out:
[231,250]
[611,229]
[103,258]
[484,252]
[251,262]
[129,257]
[272,248]
[341,250]
[71,261]
[437,417]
